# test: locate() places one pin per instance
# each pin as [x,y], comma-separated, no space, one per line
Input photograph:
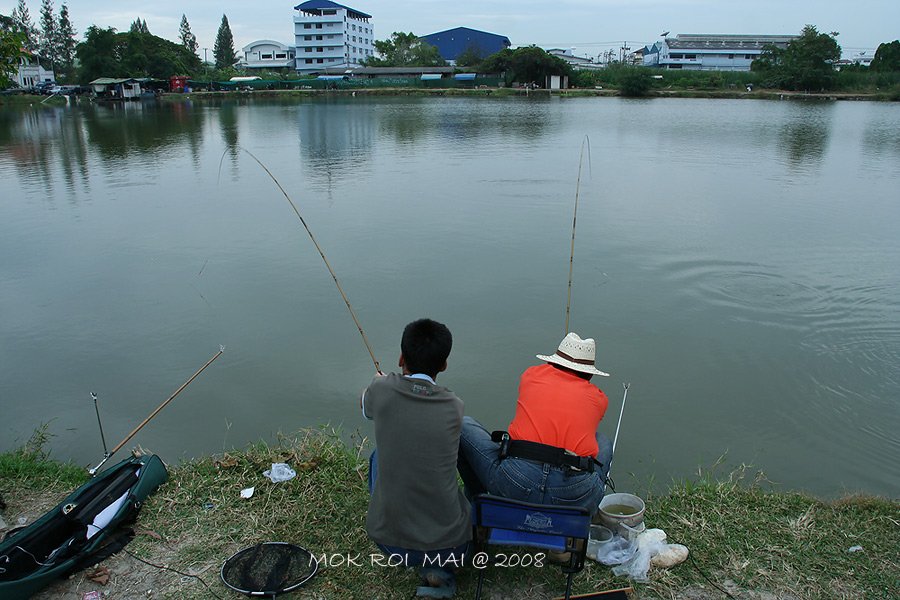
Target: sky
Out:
[589,27]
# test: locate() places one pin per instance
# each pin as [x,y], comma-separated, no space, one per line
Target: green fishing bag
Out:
[78,533]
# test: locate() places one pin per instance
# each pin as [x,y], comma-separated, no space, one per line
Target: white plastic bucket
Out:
[598,536]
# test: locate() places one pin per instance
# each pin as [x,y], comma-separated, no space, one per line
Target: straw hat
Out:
[576,354]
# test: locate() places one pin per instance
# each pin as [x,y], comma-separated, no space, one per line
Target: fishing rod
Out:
[574,219]
[107,455]
[322,254]
[616,438]
[621,411]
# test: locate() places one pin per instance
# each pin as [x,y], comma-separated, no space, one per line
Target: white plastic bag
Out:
[649,544]
[616,551]
[636,567]
[280,472]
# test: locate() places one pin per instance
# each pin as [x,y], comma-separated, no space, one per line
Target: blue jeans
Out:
[444,560]
[482,471]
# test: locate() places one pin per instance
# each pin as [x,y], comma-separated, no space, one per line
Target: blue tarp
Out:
[464,76]
[426,76]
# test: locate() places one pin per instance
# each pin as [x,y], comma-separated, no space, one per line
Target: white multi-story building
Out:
[329,36]
[710,52]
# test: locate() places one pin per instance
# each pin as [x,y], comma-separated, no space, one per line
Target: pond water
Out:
[737,262]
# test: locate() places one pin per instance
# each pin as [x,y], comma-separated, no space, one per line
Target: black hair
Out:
[425,346]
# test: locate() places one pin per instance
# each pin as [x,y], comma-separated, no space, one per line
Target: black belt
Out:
[542,453]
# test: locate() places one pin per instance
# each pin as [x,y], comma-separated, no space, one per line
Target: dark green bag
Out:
[76,534]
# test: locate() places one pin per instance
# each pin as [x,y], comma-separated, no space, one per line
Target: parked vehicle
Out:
[67,90]
[43,88]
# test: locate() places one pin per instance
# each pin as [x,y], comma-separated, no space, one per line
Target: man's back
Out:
[416,502]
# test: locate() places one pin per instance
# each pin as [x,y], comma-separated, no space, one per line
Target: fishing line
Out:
[163,567]
[706,577]
[574,219]
[312,237]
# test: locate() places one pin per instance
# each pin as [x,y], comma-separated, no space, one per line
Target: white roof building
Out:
[32,70]
[577,62]
[267,54]
[711,52]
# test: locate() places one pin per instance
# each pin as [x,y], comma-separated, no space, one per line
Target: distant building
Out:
[577,62]
[331,36]
[453,42]
[862,57]
[33,70]
[267,54]
[710,52]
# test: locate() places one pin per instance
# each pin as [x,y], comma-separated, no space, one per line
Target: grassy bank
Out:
[747,540]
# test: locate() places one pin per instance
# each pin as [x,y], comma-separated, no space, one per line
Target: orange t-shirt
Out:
[558,408]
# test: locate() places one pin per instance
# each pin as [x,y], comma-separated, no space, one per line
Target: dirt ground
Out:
[124,577]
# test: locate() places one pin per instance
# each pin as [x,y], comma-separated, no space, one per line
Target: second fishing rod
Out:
[586,144]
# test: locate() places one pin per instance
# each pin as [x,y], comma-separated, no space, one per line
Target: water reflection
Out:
[336,139]
[803,137]
[39,140]
[228,128]
[881,137]
[466,122]
[119,130]
[763,314]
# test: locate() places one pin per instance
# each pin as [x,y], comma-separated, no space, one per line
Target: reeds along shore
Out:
[746,537]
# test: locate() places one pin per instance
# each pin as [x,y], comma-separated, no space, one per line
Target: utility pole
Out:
[206,66]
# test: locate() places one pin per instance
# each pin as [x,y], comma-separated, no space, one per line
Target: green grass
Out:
[743,533]
[29,467]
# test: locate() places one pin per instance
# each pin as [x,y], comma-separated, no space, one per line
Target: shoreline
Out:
[503,92]
[525,93]
[747,539]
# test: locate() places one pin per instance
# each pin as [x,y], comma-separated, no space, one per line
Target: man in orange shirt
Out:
[553,453]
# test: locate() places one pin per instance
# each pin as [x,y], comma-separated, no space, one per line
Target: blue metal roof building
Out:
[453,42]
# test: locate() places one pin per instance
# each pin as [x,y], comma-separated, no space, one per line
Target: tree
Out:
[11,51]
[472,56]
[139,26]
[807,63]
[65,39]
[634,81]
[526,64]
[48,39]
[97,54]
[404,50]
[188,39]
[887,57]
[22,23]
[105,53]
[223,48]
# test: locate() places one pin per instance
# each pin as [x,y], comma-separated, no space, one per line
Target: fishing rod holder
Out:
[93,471]
[99,422]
